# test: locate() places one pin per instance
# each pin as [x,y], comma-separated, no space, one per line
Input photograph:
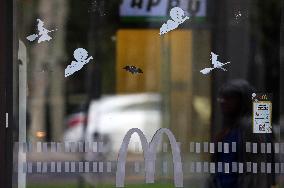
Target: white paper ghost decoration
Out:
[177,17]
[81,57]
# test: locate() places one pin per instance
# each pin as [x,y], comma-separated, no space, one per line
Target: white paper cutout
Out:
[216,64]
[238,15]
[42,35]
[178,17]
[81,57]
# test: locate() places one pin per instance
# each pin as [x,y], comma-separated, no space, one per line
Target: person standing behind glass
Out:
[236,107]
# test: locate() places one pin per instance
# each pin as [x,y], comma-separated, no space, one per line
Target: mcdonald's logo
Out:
[149,152]
[263,97]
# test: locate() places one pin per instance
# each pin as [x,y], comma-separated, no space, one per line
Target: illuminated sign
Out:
[262,112]
[149,151]
[159,9]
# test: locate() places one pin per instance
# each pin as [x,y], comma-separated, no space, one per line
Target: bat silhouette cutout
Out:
[133,69]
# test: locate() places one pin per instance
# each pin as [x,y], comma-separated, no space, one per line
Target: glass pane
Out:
[195,84]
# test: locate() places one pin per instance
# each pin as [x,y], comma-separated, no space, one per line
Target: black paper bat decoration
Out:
[133,69]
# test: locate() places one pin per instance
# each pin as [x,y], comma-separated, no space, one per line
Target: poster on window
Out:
[262,113]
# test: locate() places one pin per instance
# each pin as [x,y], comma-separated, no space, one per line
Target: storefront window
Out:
[205,74]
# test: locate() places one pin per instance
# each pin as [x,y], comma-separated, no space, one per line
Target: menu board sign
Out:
[262,113]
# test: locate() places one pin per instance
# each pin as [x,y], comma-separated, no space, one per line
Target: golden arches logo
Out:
[149,151]
[263,97]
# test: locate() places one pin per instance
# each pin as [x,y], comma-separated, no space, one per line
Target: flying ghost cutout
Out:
[177,17]
[80,55]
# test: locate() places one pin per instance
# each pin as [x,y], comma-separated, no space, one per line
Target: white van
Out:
[113,116]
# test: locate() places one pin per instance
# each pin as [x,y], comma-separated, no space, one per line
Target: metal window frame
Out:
[6,93]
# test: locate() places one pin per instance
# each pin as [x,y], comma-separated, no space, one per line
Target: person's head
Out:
[235,98]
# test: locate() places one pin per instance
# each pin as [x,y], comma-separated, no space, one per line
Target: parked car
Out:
[113,116]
